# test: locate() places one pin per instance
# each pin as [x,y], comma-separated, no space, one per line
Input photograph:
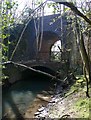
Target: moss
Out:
[75,87]
[82,106]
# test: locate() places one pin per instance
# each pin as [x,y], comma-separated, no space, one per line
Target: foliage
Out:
[25,15]
[81,105]
[78,85]
[79,17]
[8,19]
[55,6]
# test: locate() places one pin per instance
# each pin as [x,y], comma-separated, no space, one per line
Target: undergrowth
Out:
[82,105]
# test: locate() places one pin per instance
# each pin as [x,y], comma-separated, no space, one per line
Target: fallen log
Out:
[14,71]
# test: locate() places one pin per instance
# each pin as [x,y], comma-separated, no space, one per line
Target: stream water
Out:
[21,94]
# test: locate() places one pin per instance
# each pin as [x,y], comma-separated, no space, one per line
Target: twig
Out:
[74,9]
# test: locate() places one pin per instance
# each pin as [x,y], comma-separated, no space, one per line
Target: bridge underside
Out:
[52,65]
[17,71]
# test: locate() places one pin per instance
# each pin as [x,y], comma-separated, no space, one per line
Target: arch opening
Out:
[48,39]
[55,51]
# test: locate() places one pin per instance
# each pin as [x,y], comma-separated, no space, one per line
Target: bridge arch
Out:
[48,40]
[55,51]
[45,69]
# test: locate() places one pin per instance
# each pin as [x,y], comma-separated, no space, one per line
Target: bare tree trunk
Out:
[84,56]
[87,84]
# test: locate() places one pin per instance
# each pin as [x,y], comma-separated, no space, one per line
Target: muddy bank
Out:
[41,101]
[25,97]
[70,103]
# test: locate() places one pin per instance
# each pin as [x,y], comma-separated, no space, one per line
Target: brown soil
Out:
[40,100]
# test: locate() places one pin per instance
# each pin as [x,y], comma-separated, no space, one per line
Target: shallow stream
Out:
[21,94]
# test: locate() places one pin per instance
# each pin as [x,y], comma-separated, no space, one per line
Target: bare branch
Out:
[74,9]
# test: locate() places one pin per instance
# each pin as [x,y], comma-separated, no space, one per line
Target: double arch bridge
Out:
[32,48]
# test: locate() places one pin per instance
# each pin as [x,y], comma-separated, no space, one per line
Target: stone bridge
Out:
[52,65]
[22,71]
[37,51]
[32,47]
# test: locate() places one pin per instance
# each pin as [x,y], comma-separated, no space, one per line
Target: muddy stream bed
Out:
[25,97]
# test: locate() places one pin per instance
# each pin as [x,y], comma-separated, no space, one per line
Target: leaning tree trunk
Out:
[86,62]
[84,56]
[87,84]
[83,52]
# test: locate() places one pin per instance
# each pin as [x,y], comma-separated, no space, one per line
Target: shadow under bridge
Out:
[50,67]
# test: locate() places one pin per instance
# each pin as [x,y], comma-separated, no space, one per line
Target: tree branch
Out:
[75,10]
[13,69]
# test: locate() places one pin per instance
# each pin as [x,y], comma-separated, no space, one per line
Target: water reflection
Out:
[21,95]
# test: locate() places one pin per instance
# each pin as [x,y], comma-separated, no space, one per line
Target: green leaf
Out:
[66,9]
[4,36]
[13,3]
[3,67]
[9,42]
[3,27]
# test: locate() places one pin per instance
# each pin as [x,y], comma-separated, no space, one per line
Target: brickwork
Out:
[49,38]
